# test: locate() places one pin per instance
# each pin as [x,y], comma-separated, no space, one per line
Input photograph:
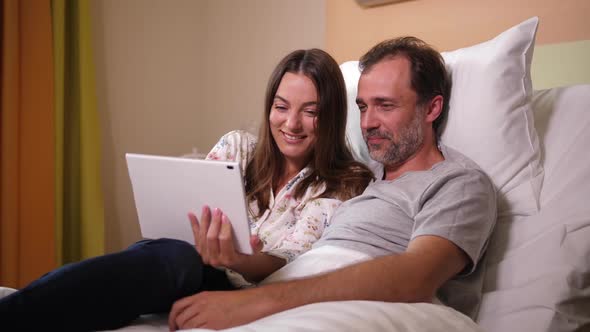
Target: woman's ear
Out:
[435,107]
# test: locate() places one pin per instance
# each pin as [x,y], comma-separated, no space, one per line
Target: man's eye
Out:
[386,107]
[362,108]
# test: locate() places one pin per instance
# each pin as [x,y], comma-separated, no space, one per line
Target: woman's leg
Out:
[110,291]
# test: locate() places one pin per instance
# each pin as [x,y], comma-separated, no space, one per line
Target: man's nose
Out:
[368,119]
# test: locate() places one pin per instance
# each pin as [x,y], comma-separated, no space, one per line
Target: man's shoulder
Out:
[456,171]
[458,159]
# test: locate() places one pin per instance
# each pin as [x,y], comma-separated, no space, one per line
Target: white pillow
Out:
[354,136]
[490,119]
[562,119]
[538,267]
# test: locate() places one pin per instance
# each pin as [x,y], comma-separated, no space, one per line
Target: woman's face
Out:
[293,118]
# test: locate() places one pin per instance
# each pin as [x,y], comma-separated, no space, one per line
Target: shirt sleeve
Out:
[307,228]
[460,207]
[237,145]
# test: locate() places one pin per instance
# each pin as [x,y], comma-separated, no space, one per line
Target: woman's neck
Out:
[290,170]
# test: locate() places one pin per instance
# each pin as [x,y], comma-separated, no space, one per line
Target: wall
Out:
[351,30]
[561,64]
[173,75]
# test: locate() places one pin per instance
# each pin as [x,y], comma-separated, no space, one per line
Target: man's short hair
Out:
[429,74]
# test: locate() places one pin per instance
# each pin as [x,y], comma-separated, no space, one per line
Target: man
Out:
[423,226]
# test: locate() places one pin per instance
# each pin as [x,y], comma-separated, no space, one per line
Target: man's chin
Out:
[378,157]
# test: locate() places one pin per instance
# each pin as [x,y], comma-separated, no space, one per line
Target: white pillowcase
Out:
[538,267]
[351,73]
[490,119]
[562,119]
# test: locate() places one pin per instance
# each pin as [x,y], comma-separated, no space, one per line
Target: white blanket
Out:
[316,261]
[363,316]
[344,315]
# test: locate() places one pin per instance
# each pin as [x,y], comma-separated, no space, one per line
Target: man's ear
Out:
[434,109]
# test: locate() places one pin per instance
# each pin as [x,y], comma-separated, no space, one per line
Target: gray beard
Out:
[409,140]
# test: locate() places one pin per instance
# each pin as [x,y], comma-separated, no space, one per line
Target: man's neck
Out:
[427,156]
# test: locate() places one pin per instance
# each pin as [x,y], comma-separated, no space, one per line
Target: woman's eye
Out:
[311,112]
[280,107]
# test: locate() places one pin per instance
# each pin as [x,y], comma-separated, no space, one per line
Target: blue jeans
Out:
[110,291]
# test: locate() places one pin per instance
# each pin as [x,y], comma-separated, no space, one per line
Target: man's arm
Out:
[413,276]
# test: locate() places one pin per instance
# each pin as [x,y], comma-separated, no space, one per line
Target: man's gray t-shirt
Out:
[454,199]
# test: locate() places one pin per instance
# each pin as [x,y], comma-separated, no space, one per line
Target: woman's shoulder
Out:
[237,145]
[238,137]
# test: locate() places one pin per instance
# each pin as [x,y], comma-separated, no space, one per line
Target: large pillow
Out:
[490,118]
[539,266]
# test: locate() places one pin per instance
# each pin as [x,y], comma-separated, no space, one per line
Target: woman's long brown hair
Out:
[332,162]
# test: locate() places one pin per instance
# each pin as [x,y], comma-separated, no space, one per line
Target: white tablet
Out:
[166,189]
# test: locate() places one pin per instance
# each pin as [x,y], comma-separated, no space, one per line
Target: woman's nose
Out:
[294,120]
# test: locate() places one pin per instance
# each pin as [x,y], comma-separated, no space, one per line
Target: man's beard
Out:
[409,140]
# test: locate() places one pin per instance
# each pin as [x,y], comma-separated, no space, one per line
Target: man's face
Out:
[391,122]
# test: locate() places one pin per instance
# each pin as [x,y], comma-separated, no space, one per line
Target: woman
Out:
[295,176]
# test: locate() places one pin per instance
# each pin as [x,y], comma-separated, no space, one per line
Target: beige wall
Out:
[449,24]
[177,74]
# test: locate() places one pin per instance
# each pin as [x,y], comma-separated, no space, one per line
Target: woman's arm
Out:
[215,243]
[256,267]
[313,216]
[309,220]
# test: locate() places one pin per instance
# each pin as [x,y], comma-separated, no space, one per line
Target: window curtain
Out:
[78,191]
[50,199]
[27,241]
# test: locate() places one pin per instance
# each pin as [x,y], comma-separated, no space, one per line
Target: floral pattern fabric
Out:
[289,226]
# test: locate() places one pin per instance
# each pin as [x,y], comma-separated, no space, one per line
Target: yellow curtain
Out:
[27,208]
[79,202]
